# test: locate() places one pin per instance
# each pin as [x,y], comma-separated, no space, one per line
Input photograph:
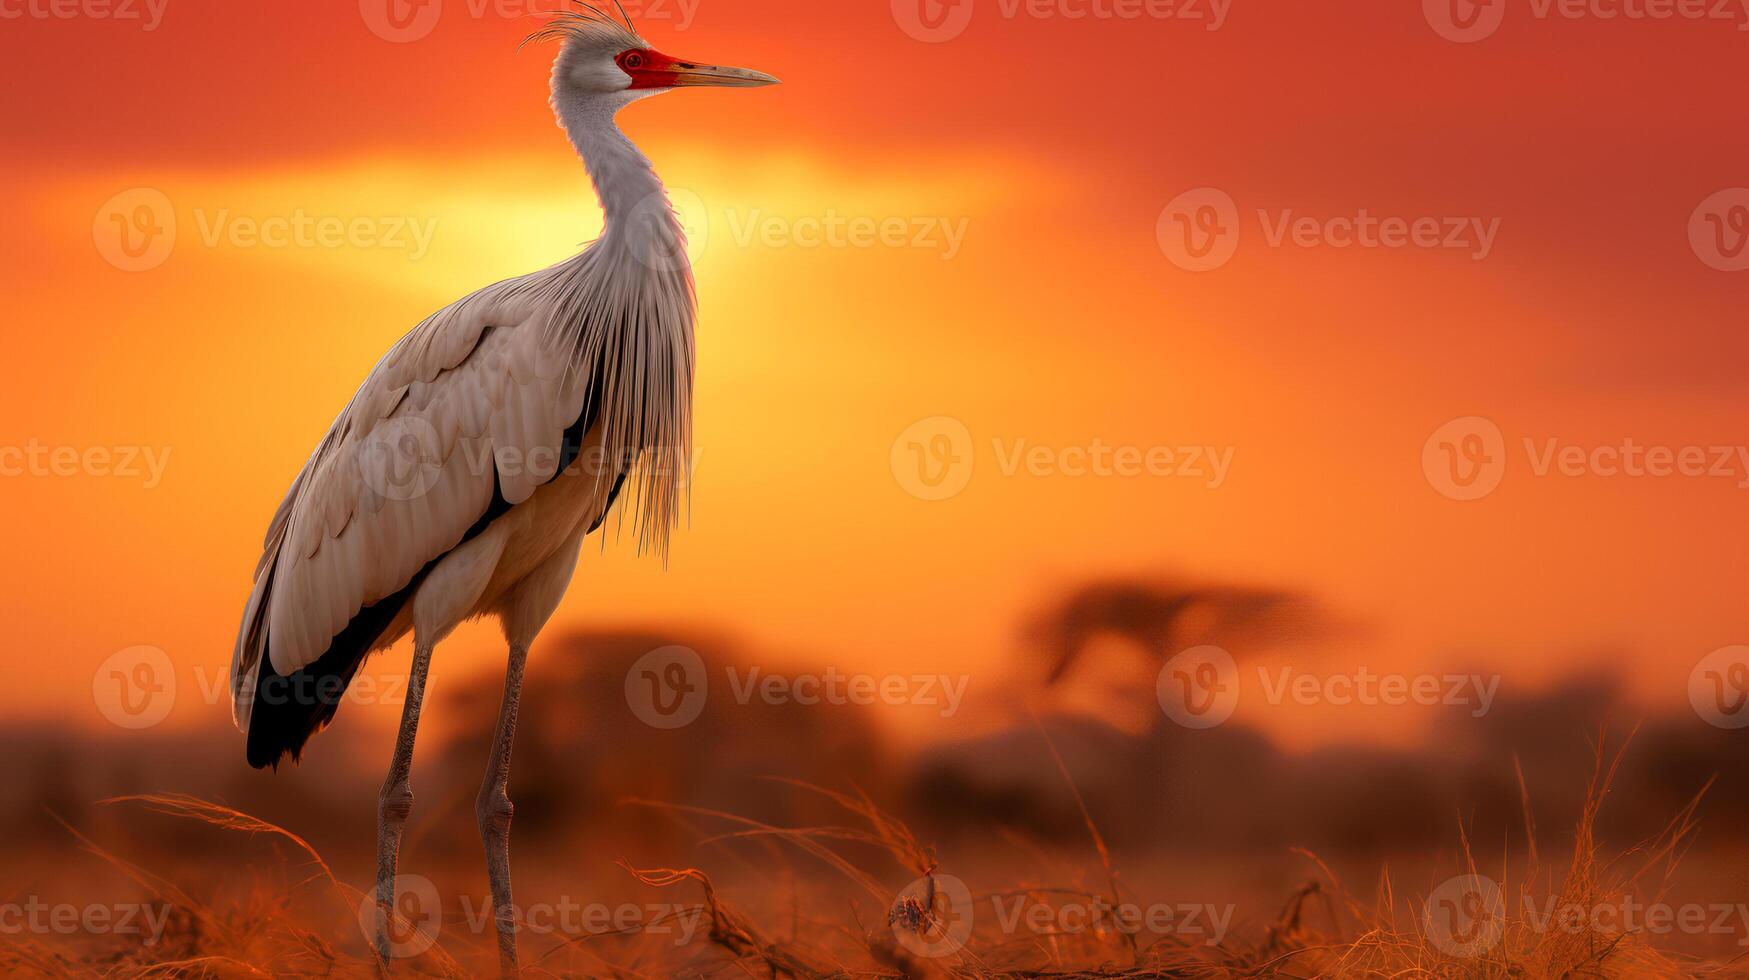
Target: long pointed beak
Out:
[686,73]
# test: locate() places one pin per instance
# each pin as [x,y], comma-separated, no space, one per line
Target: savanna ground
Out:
[821,901]
[1545,837]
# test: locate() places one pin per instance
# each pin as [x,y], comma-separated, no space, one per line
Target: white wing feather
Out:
[465,402]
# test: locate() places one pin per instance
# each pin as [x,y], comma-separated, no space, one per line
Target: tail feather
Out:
[287,710]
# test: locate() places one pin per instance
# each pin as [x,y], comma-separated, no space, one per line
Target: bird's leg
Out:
[494,811]
[397,798]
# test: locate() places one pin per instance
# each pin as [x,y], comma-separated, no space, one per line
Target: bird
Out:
[462,478]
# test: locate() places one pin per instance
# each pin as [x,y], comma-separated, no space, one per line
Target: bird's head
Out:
[605,58]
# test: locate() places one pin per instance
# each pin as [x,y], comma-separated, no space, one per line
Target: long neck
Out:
[633,201]
[627,311]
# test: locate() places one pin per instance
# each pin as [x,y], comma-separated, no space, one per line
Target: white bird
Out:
[465,473]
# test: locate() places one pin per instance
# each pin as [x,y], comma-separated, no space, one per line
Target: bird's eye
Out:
[632,59]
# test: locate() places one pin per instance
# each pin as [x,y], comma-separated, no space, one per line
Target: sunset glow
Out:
[907,230]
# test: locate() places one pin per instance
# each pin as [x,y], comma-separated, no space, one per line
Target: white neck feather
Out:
[624,310]
[639,219]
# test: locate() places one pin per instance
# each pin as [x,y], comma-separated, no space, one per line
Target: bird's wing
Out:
[466,414]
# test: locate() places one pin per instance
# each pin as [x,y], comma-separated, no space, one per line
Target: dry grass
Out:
[309,926]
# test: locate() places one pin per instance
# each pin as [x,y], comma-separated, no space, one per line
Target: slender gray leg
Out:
[397,798]
[494,811]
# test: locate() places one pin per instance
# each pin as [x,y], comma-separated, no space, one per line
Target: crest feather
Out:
[589,24]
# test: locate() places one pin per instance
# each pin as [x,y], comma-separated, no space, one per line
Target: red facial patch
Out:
[651,69]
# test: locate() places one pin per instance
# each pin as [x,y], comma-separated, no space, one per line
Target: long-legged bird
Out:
[465,473]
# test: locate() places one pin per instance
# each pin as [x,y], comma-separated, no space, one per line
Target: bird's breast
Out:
[539,526]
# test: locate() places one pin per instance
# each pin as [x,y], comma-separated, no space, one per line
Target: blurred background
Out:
[1039,344]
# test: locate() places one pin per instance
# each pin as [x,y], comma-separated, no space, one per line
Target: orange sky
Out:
[1054,144]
